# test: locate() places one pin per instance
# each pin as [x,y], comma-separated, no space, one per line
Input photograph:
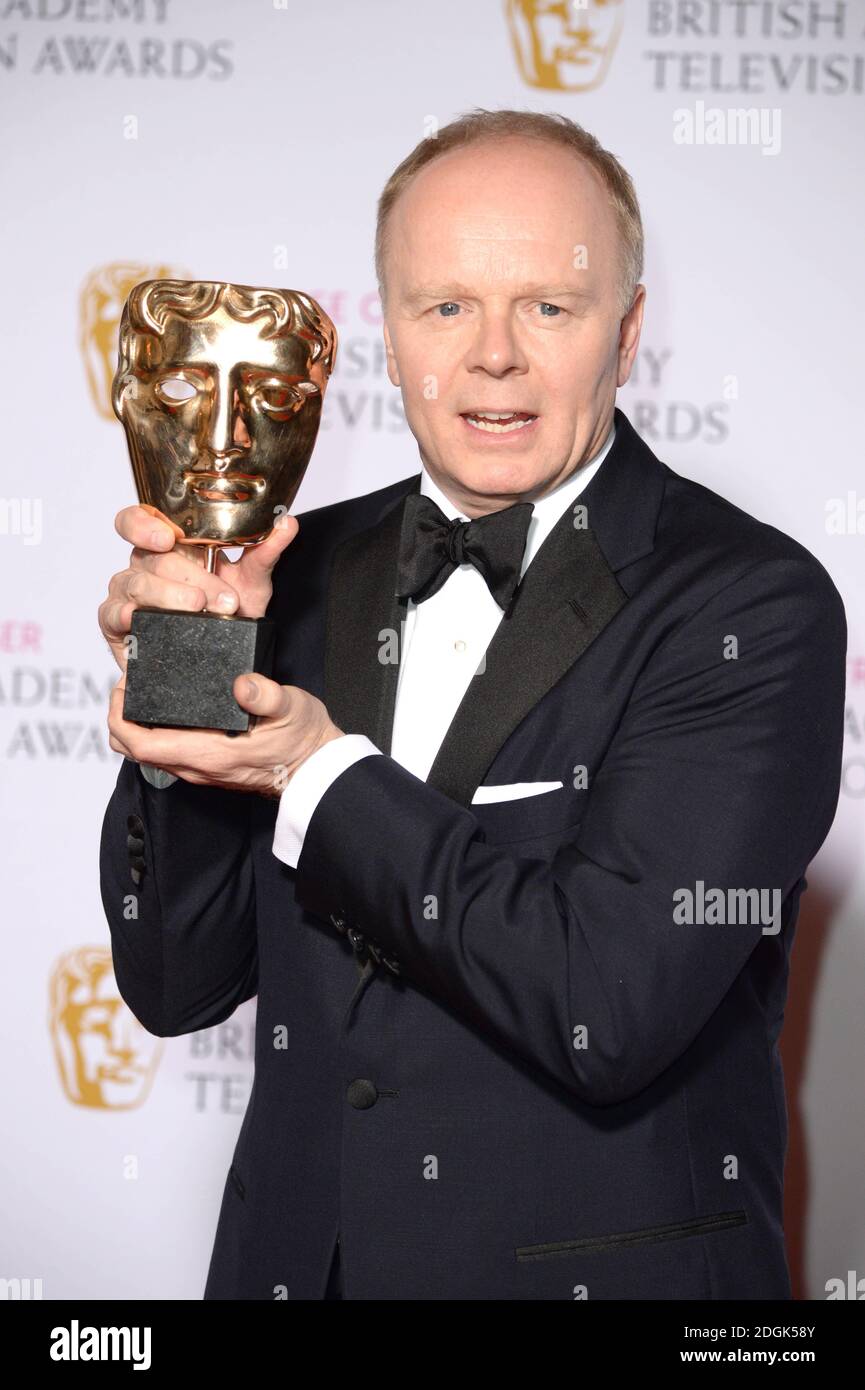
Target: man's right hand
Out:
[163,574]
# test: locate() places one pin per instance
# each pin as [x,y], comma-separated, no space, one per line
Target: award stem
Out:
[210,554]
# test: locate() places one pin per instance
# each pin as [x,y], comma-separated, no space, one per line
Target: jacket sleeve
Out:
[183,937]
[723,769]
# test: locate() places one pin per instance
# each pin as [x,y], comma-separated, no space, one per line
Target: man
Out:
[519,905]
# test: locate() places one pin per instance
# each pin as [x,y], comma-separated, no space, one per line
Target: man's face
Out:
[502,295]
[221,423]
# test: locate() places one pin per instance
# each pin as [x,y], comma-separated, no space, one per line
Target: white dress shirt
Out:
[442,646]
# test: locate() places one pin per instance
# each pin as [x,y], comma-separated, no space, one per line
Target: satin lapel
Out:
[567,597]
[362,609]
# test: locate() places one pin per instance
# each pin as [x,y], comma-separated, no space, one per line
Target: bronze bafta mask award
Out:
[220,389]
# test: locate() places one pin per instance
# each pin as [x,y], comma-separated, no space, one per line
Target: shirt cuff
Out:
[308,785]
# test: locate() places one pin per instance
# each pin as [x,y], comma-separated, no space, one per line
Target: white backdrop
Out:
[248,140]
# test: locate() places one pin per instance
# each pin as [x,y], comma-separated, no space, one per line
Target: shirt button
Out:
[459,645]
[362,1094]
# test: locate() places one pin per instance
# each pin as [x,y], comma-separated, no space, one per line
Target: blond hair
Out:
[479,124]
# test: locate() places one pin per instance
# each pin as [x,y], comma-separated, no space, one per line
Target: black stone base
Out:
[181,667]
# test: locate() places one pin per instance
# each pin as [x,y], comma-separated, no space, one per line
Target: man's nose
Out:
[495,346]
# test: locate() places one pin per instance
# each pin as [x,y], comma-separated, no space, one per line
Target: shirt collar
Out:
[546,510]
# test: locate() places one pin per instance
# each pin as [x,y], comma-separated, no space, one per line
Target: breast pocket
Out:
[512,791]
[538,815]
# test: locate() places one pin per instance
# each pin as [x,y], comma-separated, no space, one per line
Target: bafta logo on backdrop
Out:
[106,1059]
[564,45]
[103,294]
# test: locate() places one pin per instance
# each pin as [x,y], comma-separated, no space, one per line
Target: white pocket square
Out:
[512,791]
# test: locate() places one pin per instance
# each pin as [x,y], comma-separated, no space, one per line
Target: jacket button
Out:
[362,1094]
[389,962]
[336,920]
[135,825]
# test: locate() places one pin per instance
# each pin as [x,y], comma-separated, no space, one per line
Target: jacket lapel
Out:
[364,632]
[567,597]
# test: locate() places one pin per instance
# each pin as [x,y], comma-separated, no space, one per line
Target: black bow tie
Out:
[431,548]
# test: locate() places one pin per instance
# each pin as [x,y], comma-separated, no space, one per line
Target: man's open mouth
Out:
[498,421]
[225,487]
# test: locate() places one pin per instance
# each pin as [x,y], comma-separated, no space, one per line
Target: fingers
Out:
[142,588]
[160,575]
[197,755]
[147,590]
[131,589]
[135,741]
[147,528]
[178,571]
[116,720]
[115,617]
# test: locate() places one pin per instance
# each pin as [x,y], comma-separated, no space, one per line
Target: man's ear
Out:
[392,368]
[629,334]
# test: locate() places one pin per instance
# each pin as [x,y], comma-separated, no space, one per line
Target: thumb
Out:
[258,561]
[262,696]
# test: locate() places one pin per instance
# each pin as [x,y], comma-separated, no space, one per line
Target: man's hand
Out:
[162,574]
[291,725]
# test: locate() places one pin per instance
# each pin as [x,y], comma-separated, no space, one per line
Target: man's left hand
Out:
[290,725]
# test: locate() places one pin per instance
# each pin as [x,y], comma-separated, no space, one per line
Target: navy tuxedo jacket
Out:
[513,1071]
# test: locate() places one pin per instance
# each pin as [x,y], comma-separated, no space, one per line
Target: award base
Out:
[181,666]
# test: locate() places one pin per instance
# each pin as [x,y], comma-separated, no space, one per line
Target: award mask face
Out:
[564,47]
[220,389]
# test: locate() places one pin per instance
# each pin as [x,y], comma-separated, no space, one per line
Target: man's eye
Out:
[176,390]
[449,304]
[556,308]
